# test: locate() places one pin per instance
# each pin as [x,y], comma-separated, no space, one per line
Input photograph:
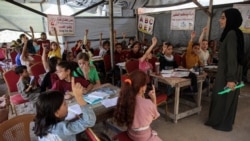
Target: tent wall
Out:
[180,38]
[98,25]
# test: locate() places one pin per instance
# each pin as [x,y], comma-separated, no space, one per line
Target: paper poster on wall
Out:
[245,12]
[146,24]
[65,25]
[182,19]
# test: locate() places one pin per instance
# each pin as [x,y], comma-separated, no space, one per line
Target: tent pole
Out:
[111,25]
[209,21]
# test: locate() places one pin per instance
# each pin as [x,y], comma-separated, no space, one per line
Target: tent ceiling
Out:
[17,18]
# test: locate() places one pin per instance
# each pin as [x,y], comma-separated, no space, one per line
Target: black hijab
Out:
[233,22]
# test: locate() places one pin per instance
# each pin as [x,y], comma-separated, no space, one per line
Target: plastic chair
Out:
[13,55]
[123,136]
[91,135]
[132,65]
[37,58]
[178,59]
[17,128]
[107,66]
[96,52]
[184,61]
[11,79]
[36,70]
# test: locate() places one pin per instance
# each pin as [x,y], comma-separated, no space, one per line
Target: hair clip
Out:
[128,81]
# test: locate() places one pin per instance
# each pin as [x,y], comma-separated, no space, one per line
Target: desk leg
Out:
[199,94]
[155,83]
[120,71]
[176,103]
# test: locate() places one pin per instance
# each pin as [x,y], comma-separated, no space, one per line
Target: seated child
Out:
[134,110]
[51,110]
[166,59]
[192,58]
[87,70]
[144,65]
[204,53]
[55,50]
[64,71]
[26,84]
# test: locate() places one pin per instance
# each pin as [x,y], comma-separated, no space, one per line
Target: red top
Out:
[64,86]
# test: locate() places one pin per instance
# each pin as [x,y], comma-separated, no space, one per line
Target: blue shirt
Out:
[18,60]
[67,130]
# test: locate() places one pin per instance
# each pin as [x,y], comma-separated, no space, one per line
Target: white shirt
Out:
[204,55]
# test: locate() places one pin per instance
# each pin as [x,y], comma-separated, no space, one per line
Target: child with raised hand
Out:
[135,111]
[26,84]
[204,53]
[192,58]
[166,59]
[144,65]
[55,48]
[50,123]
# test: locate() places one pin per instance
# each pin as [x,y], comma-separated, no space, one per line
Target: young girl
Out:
[135,51]
[51,110]
[144,65]
[134,111]
[77,48]
[25,58]
[87,70]
[64,72]
[166,58]
[55,50]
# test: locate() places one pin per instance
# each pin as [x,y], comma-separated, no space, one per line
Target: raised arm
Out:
[45,58]
[123,36]
[154,42]
[32,33]
[33,36]
[204,30]
[115,41]
[190,43]
[24,49]
[85,38]
[57,41]
[100,40]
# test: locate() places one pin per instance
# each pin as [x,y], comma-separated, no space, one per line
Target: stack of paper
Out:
[97,95]
[180,74]
[110,102]
[73,111]
[166,71]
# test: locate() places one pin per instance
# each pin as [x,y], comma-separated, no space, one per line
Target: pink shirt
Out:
[145,112]
[145,66]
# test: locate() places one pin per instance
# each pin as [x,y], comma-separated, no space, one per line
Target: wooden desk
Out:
[102,113]
[178,83]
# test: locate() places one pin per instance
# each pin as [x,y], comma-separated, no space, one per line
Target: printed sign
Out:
[182,20]
[146,24]
[245,12]
[65,25]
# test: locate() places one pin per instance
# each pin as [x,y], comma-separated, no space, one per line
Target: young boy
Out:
[192,58]
[26,84]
